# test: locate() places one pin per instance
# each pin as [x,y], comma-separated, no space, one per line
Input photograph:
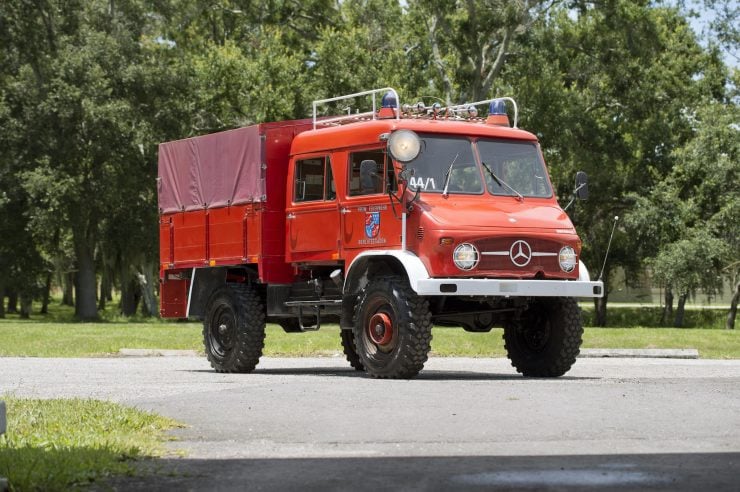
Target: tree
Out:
[707,177]
[467,44]
[606,87]
[21,262]
[689,264]
[690,216]
[77,93]
[365,49]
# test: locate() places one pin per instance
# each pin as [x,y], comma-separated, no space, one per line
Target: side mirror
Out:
[581,191]
[405,175]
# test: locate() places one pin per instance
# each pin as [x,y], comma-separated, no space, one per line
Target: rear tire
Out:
[234,329]
[546,339]
[392,329]
[350,349]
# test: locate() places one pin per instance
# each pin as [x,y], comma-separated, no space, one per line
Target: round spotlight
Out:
[465,256]
[567,259]
[404,145]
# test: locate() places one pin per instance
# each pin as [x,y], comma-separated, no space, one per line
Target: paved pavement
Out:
[314,424]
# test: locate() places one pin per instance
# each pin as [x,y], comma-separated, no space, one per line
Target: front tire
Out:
[392,329]
[546,339]
[234,329]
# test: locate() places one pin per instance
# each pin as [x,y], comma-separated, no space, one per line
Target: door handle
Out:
[290,216]
[345,210]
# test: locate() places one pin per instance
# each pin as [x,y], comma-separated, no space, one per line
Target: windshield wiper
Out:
[501,182]
[449,175]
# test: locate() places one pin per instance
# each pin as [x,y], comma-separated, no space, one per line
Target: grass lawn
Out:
[57,335]
[32,339]
[61,444]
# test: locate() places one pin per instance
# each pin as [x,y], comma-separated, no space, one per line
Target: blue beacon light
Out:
[389,101]
[497,106]
[388,106]
[497,113]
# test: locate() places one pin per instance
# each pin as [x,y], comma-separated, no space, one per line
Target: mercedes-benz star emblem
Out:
[520,253]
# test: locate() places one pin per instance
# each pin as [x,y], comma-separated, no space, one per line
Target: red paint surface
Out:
[333,232]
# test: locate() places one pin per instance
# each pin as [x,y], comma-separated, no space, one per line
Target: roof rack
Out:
[458,111]
[356,116]
[466,111]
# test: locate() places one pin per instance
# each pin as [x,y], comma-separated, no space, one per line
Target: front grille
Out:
[501,261]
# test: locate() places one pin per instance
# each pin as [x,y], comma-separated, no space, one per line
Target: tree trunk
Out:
[109,287]
[68,297]
[46,294]
[129,293]
[12,301]
[2,301]
[730,325]
[26,305]
[104,281]
[600,308]
[667,308]
[149,305]
[86,284]
[678,322]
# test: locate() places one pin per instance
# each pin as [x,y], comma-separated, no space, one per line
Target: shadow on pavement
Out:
[693,471]
[426,374]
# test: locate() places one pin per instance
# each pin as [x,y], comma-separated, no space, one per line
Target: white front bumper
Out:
[507,288]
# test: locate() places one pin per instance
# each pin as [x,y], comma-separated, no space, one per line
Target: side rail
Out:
[373,94]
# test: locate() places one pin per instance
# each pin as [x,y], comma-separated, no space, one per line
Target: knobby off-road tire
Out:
[234,329]
[392,329]
[350,349]
[547,338]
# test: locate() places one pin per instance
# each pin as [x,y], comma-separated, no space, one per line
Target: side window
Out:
[313,180]
[369,171]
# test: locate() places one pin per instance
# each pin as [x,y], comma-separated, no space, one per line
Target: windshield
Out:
[445,161]
[512,168]
[517,164]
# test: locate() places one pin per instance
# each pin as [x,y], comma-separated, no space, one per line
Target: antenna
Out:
[616,218]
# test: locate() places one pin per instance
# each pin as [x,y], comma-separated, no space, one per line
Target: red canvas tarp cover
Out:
[210,171]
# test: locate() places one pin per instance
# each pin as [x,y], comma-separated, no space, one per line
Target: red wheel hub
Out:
[380,329]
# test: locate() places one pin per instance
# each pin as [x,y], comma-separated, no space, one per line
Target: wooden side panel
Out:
[253,236]
[218,236]
[226,234]
[165,240]
[190,237]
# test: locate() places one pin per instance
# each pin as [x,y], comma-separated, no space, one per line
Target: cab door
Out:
[312,214]
[368,219]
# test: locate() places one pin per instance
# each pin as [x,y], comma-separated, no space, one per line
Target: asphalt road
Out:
[472,424]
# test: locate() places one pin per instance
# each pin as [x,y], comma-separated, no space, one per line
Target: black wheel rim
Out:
[534,331]
[222,331]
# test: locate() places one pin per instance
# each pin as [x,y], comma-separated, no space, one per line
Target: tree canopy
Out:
[623,90]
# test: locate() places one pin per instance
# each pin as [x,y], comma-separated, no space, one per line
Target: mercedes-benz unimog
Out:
[387,222]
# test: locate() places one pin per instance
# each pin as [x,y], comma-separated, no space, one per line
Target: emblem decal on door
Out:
[372,224]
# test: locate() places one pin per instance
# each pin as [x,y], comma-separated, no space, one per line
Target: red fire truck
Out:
[387,222]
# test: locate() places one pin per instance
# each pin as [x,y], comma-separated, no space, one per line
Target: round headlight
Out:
[465,256]
[567,259]
[404,145]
